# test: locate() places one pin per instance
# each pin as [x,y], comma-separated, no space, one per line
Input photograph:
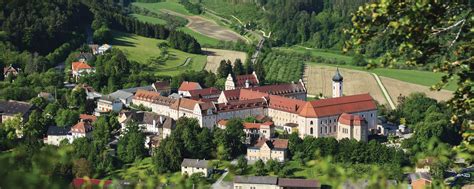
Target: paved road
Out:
[384,91]
[220,184]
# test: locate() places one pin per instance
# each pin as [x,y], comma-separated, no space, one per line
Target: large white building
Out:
[285,104]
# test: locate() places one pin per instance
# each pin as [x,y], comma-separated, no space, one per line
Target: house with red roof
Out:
[266,149]
[79,69]
[187,86]
[254,130]
[10,70]
[81,129]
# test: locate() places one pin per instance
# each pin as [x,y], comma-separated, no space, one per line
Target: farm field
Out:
[396,87]
[214,57]
[318,79]
[141,49]
[196,23]
[424,78]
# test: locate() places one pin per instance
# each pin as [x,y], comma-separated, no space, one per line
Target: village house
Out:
[424,165]
[241,81]
[57,134]
[94,48]
[9,109]
[10,70]
[187,86]
[124,97]
[85,57]
[162,87]
[266,149]
[81,129]
[193,166]
[104,48]
[254,130]
[268,182]
[90,92]
[420,180]
[107,104]
[80,69]
[352,127]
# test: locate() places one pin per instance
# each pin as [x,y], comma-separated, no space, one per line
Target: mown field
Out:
[203,28]
[424,78]
[142,49]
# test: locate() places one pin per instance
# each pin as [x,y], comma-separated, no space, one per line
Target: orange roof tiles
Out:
[87,117]
[82,127]
[153,97]
[337,106]
[350,119]
[241,79]
[188,86]
[204,92]
[76,66]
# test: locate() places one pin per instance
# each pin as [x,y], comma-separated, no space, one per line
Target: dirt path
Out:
[384,91]
[208,27]
[214,57]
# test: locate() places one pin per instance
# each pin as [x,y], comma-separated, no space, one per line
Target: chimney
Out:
[161,119]
[247,83]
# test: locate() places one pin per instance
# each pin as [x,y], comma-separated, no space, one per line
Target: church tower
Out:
[229,83]
[337,84]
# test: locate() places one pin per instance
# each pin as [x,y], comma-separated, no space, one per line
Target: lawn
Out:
[141,49]
[149,19]
[424,78]
[202,39]
[171,5]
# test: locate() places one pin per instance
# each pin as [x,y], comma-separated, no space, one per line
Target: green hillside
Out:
[141,49]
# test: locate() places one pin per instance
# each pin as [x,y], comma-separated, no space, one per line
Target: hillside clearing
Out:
[141,49]
[214,57]
[196,23]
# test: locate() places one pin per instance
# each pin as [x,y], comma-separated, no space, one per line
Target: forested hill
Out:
[317,23]
[41,26]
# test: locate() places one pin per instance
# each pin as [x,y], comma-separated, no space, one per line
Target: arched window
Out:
[311,130]
[311,122]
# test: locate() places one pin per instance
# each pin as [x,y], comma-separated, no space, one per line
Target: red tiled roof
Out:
[82,127]
[350,119]
[286,104]
[281,89]
[273,143]
[161,85]
[239,105]
[188,86]
[87,117]
[154,97]
[337,106]
[241,79]
[76,66]
[80,182]
[204,92]
[184,103]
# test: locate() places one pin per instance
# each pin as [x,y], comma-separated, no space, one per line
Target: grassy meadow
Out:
[141,49]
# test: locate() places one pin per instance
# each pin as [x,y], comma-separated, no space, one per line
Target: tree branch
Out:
[437,31]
